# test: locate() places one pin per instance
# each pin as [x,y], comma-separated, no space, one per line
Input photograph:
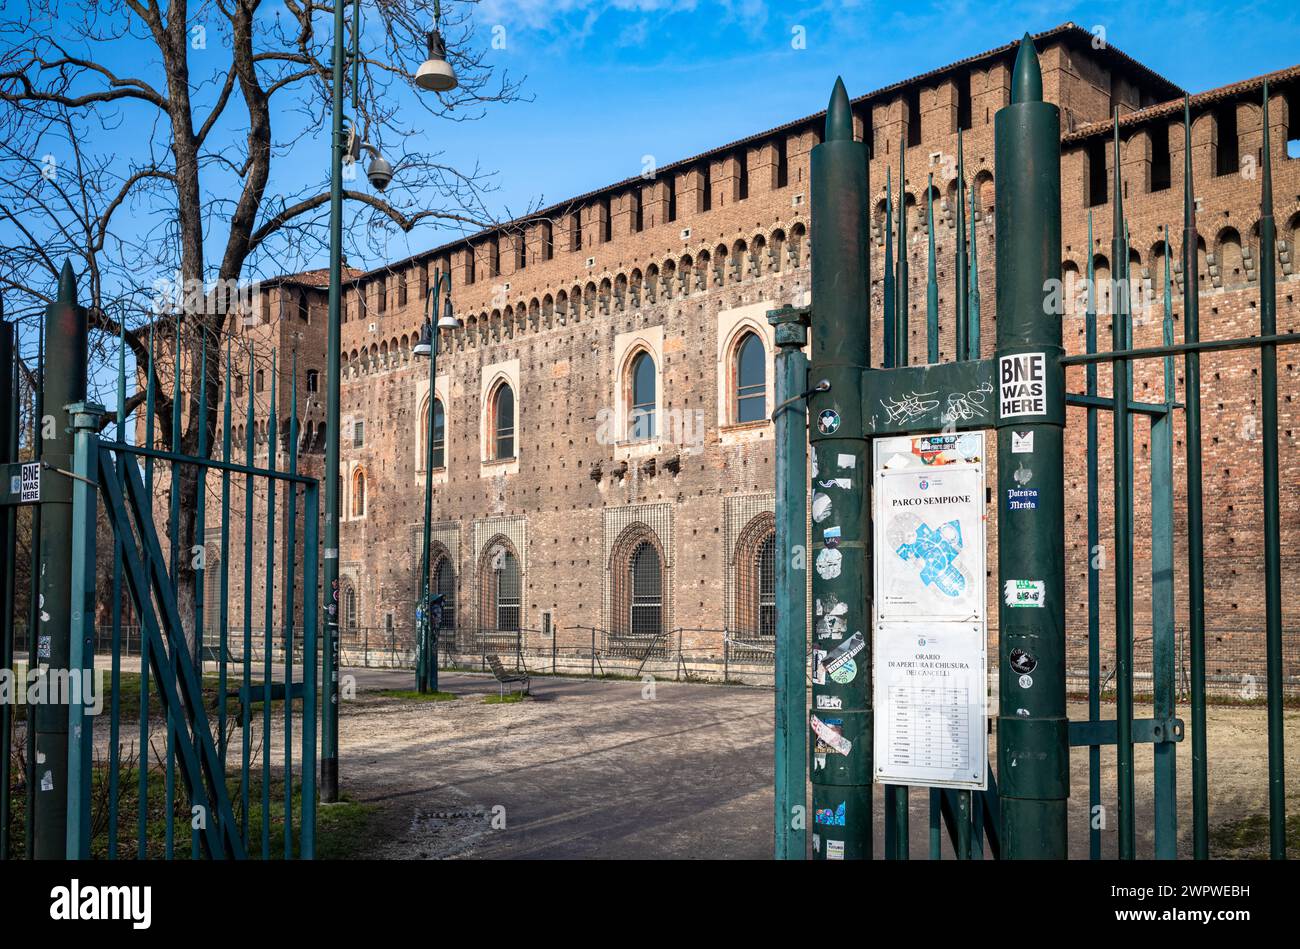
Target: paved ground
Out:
[587,768]
[598,768]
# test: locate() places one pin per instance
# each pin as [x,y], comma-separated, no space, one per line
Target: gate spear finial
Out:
[839,116]
[67,283]
[1027,77]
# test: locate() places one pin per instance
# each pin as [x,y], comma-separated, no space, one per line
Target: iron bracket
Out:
[1146,731]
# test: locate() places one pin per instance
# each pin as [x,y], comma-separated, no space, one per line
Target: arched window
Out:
[639,593]
[751,379]
[349,606]
[501,427]
[641,414]
[439,436]
[646,581]
[444,582]
[501,588]
[359,493]
[211,590]
[754,562]
[313,380]
[304,309]
[767,586]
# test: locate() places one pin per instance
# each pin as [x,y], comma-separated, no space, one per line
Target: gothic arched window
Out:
[500,587]
[641,414]
[754,606]
[359,493]
[645,576]
[501,427]
[750,379]
[444,582]
[439,435]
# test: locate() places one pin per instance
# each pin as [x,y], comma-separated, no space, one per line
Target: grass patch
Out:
[1247,838]
[128,695]
[508,699]
[414,696]
[343,830]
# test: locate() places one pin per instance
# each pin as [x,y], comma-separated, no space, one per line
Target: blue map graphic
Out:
[937,550]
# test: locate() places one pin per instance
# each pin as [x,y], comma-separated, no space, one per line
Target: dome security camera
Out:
[380,172]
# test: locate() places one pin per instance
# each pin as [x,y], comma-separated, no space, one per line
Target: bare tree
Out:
[161,147]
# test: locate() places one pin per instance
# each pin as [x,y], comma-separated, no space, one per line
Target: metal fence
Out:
[1235,665]
[685,652]
[1235,655]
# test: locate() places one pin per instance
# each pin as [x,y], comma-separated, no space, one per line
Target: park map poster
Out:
[929,517]
[929,656]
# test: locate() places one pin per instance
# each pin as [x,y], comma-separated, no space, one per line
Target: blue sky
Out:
[614,81]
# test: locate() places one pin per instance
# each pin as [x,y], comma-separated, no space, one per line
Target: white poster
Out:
[929,654]
[930,699]
[929,525]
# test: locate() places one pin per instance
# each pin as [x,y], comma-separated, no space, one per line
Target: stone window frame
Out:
[748,605]
[732,327]
[491,378]
[627,346]
[358,473]
[438,556]
[488,603]
[621,559]
[441,391]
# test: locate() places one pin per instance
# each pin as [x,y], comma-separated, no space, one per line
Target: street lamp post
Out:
[426,667]
[380,173]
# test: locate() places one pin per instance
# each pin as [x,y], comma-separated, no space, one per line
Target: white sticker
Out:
[829,701]
[47,781]
[31,481]
[1025,593]
[1026,682]
[1022,385]
[821,507]
[15,484]
[834,850]
[1022,443]
[846,461]
[832,622]
[828,563]
[844,484]
[819,671]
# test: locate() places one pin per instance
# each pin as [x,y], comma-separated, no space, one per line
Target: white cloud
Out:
[555,15]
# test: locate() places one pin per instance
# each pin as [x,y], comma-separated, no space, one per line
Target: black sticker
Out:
[1022,662]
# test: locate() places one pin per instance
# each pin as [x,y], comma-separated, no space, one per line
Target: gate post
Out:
[8,576]
[1033,746]
[841,718]
[84,422]
[791,656]
[63,383]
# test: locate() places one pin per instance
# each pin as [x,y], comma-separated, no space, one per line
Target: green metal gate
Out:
[835,405]
[84,777]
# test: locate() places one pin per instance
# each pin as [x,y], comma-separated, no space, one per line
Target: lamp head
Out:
[448,321]
[435,73]
[424,347]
